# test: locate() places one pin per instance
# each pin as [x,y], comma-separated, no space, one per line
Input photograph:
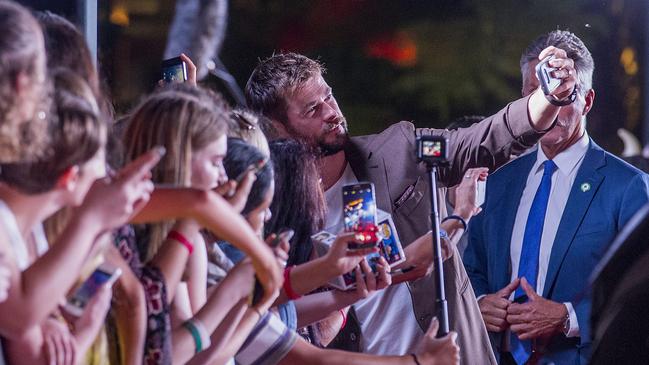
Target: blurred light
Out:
[628,61]
[119,16]
[398,48]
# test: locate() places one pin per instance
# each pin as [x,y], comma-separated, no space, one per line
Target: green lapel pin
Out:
[585,187]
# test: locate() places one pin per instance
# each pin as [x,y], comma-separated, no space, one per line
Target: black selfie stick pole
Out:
[441,304]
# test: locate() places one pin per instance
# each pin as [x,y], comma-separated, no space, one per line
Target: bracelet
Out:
[189,325]
[342,313]
[288,289]
[567,101]
[456,217]
[177,236]
[199,334]
[414,357]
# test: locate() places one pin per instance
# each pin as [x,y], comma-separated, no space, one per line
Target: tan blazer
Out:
[388,160]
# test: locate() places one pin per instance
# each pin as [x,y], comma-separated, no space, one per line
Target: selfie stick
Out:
[441,304]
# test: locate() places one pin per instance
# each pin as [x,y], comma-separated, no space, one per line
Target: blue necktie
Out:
[528,265]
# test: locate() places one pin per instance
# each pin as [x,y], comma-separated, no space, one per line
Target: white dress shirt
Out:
[568,163]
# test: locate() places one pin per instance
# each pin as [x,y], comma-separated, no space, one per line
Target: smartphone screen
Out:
[174,70]
[90,287]
[359,209]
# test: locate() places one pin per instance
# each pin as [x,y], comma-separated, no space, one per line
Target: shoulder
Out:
[620,169]
[515,166]
[402,131]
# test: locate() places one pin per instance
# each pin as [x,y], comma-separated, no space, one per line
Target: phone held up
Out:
[258,291]
[359,213]
[104,274]
[256,166]
[544,74]
[174,70]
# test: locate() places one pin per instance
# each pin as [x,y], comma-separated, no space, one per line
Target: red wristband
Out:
[177,236]
[288,289]
[342,313]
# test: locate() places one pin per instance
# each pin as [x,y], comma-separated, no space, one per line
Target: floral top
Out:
[158,337]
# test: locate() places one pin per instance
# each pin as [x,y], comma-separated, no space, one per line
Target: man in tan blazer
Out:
[290,90]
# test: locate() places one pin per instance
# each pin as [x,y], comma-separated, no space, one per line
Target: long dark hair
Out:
[239,157]
[299,199]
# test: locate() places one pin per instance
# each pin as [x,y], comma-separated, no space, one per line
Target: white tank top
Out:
[16,241]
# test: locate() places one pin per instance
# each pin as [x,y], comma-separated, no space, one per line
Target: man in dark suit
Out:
[290,90]
[547,220]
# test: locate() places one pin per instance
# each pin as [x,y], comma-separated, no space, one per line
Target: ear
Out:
[68,179]
[589,98]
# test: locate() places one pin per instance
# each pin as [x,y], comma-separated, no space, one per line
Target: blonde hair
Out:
[246,125]
[183,119]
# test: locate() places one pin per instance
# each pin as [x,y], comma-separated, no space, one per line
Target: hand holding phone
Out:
[105,274]
[544,74]
[174,70]
[255,166]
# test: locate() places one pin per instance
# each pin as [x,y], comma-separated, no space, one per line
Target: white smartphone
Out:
[480,190]
[104,274]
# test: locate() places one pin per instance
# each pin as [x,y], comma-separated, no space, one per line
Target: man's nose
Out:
[330,114]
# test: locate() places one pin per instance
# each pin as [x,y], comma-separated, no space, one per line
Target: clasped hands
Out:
[538,317]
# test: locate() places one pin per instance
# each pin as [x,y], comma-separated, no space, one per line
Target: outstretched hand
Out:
[565,71]
[344,259]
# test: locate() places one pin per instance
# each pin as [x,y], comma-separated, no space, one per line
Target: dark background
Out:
[390,60]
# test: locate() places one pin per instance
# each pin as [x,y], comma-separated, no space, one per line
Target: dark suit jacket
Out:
[590,221]
[389,161]
[620,310]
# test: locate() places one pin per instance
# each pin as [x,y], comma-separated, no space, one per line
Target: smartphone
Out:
[104,274]
[255,166]
[284,234]
[543,73]
[174,70]
[359,210]
[480,190]
[257,292]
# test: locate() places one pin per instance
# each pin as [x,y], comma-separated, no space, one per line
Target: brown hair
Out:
[21,52]
[183,119]
[275,78]
[76,133]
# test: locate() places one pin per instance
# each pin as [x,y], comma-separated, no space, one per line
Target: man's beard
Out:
[331,148]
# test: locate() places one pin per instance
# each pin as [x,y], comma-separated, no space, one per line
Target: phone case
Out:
[389,247]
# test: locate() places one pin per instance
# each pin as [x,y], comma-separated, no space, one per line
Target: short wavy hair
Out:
[277,77]
[575,49]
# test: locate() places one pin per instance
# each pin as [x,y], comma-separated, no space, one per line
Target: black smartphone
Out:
[256,166]
[257,292]
[174,70]
[359,210]
[544,74]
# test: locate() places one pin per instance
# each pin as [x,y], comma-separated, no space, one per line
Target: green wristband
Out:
[189,325]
